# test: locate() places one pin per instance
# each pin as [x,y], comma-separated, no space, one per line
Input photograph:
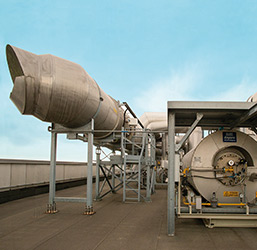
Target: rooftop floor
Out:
[24,225]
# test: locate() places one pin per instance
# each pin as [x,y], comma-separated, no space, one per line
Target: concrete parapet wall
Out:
[25,173]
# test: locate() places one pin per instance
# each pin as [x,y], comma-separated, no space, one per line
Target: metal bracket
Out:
[199,117]
[89,210]
[61,129]
[252,111]
[254,129]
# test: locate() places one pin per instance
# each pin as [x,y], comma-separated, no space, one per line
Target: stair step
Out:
[131,199]
[132,158]
[131,181]
[132,189]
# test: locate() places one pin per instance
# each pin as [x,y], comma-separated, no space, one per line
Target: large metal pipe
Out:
[59,91]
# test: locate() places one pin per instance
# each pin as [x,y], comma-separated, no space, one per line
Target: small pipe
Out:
[133,114]
[219,204]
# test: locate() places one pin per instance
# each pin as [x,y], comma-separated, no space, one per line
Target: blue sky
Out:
[142,52]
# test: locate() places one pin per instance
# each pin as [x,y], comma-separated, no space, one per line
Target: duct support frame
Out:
[56,129]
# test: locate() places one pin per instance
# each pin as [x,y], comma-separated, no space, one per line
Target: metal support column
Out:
[113,178]
[97,175]
[51,206]
[171,174]
[89,205]
[153,181]
[123,165]
[113,174]
[139,181]
[148,186]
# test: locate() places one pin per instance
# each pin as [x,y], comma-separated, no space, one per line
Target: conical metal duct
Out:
[59,91]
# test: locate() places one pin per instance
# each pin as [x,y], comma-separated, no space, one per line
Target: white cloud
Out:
[178,86]
[239,92]
[190,84]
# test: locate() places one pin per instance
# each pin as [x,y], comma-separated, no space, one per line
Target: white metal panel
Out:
[60,172]
[5,175]
[38,174]
[18,176]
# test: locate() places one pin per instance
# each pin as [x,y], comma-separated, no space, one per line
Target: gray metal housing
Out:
[200,161]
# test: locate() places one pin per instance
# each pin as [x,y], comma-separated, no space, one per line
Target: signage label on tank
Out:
[229,137]
[230,194]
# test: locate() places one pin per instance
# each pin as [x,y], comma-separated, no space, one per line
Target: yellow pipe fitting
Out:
[209,204]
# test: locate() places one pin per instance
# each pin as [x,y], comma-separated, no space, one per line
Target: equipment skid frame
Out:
[211,116]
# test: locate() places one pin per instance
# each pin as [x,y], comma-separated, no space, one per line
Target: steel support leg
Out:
[123,165]
[113,178]
[51,206]
[124,179]
[139,182]
[148,184]
[171,173]
[89,205]
[153,181]
[97,176]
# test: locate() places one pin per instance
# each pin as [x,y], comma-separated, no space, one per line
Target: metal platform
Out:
[215,114]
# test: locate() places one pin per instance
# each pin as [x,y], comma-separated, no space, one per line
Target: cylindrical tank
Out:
[59,91]
[224,164]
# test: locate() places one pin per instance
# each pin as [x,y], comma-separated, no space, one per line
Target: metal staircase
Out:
[132,167]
